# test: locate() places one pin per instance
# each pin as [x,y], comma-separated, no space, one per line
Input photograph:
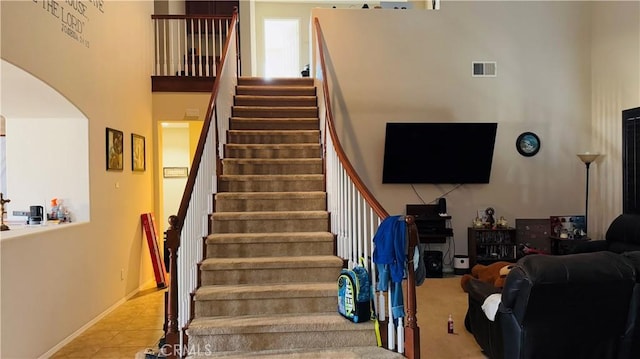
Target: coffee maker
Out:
[36,214]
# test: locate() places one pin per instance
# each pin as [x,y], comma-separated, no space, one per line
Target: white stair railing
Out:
[188,45]
[191,224]
[356,216]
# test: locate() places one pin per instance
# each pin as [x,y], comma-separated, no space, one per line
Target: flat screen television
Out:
[451,152]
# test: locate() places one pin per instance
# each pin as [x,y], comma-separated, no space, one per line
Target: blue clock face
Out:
[528,144]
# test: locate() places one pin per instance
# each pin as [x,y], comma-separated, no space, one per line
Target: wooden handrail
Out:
[411,329]
[342,156]
[180,17]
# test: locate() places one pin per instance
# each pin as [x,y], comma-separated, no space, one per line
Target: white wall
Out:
[565,71]
[419,70]
[615,74]
[175,153]
[56,282]
[174,107]
[48,158]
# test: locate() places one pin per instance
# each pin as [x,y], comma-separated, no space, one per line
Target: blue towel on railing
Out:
[390,257]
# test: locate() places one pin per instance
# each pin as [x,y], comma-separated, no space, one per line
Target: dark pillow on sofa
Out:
[625,228]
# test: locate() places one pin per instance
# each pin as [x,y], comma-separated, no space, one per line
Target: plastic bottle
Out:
[60,211]
[54,209]
[450,325]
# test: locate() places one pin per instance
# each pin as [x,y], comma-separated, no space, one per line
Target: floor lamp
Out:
[587,158]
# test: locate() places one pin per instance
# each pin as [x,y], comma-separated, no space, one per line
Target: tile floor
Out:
[129,329]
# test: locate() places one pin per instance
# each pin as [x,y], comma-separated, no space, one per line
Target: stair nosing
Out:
[333,321]
[270,263]
[222,239]
[266,290]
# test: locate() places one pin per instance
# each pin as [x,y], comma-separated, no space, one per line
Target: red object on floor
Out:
[149,226]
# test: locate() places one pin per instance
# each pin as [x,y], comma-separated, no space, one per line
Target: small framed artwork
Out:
[138,156]
[175,172]
[114,146]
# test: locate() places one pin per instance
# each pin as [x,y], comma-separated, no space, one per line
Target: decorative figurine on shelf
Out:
[490,220]
[502,223]
[3,227]
[477,223]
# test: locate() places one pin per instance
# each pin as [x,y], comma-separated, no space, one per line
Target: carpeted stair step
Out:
[371,352]
[269,222]
[272,298]
[273,137]
[270,183]
[254,333]
[283,90]
[300,150]
[275,101]
[278,244]
[268,166]
[274,111]
[285,81]
[270,201]
[261,270]
[274,123]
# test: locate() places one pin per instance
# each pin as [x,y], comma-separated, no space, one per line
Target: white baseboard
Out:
[77,333]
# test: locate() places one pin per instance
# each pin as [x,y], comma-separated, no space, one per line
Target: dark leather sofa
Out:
[630,347]
[572,306]
[623,235]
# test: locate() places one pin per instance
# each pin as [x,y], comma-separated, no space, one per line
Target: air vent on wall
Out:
[484,69]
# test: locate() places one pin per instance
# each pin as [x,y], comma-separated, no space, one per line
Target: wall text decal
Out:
[73,16]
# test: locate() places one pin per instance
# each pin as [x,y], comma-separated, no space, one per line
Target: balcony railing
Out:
[188,45]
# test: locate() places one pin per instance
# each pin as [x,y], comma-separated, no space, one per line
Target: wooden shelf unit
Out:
[432,227]
[486,246]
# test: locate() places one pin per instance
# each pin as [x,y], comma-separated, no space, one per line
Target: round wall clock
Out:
[528,144]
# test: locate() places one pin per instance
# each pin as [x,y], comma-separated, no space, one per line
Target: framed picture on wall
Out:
[138,156]
[175,172]
[114,146]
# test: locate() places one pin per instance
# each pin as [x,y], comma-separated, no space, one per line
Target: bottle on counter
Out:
[53,214]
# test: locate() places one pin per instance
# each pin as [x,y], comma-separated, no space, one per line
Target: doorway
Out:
[177,142]
[282,47]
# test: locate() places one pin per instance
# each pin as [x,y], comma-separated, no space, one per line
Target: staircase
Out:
[268,280]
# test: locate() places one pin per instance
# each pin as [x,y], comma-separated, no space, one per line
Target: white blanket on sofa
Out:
[490,305]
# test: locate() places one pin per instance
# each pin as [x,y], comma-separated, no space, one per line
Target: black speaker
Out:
[433,262]
[442,205]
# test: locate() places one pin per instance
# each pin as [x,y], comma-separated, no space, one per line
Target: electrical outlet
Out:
[122,274]
[21,213]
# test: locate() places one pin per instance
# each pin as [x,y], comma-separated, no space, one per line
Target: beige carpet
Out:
[437,298]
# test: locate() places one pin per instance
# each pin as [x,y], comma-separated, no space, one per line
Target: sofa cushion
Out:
[543,271]
[634,258]
[572,306]
[625,229]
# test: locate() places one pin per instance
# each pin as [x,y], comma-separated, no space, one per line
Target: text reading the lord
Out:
[72,15]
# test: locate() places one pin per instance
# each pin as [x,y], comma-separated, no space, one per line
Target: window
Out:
[282,48]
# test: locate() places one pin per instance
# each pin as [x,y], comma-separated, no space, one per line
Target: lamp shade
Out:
[588,157]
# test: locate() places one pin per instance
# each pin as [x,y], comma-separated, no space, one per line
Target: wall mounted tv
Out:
[452,152]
